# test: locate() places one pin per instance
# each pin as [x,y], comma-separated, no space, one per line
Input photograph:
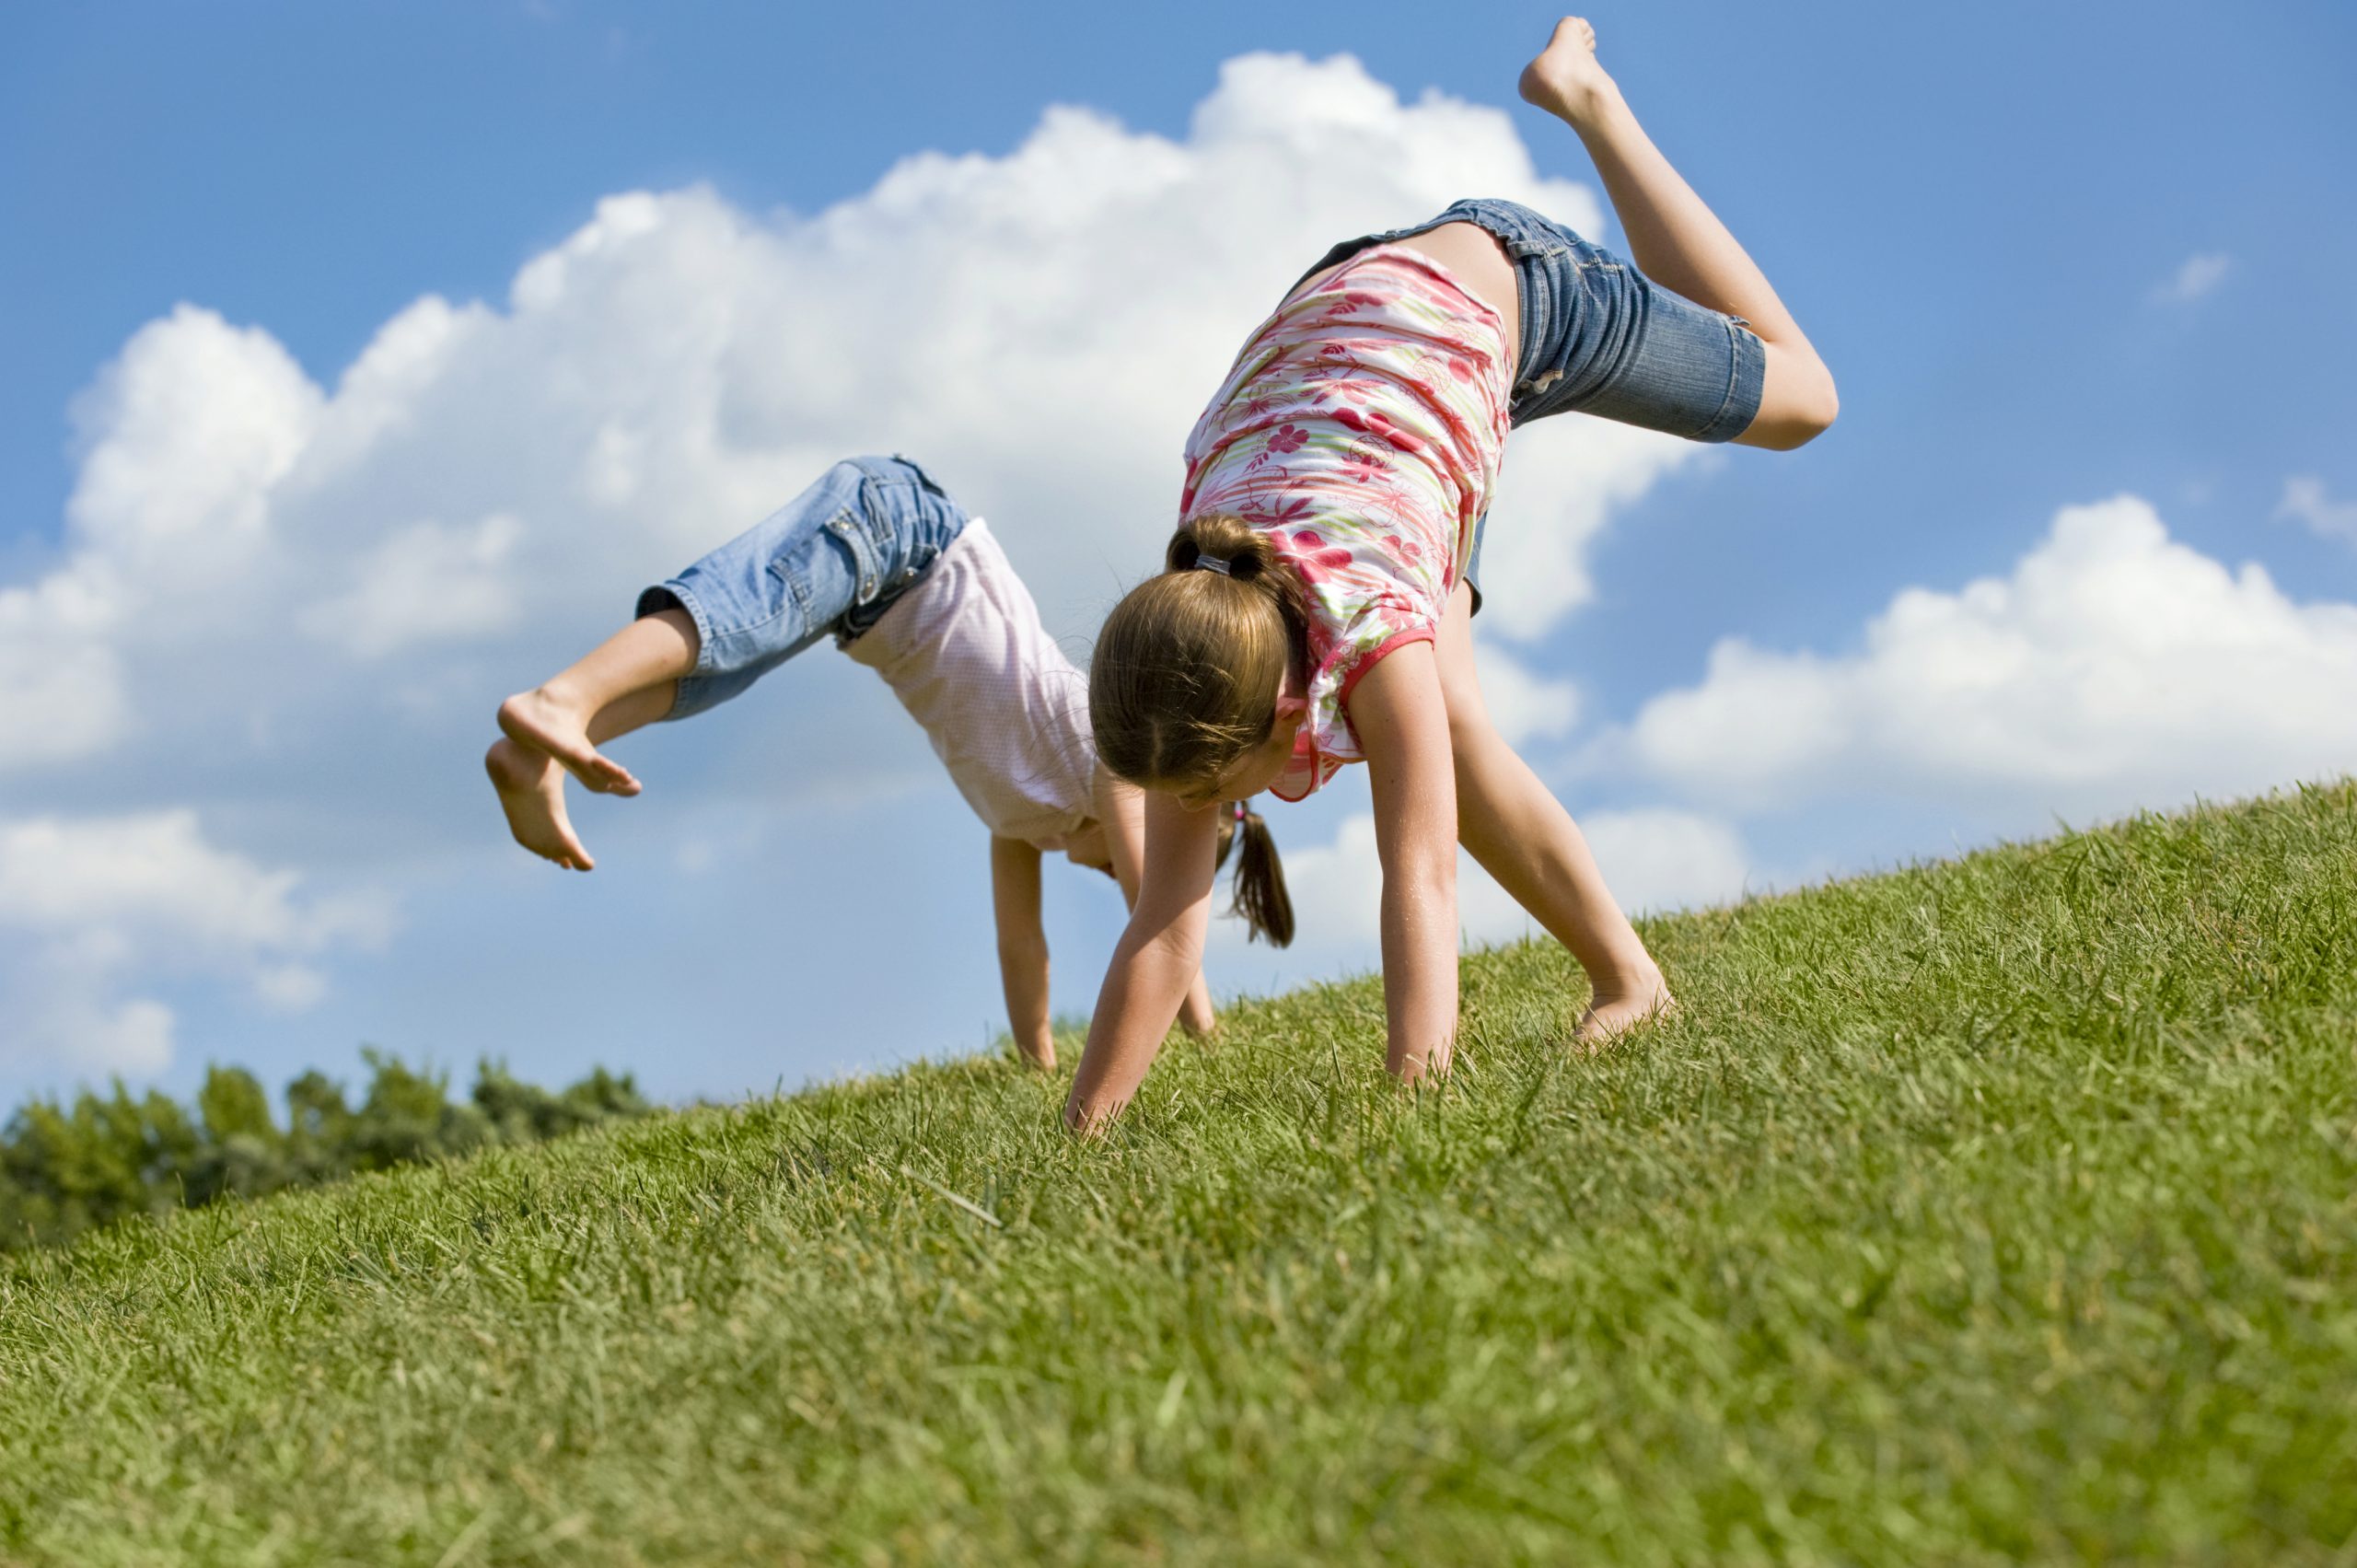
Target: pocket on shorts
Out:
[894,528]
[899,530]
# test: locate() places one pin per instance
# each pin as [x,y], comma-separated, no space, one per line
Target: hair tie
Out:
[1206,561]
[1240,812]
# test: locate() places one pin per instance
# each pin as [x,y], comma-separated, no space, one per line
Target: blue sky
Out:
[2057,255]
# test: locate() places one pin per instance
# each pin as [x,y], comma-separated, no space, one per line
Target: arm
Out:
[1160,954]
[1120,805]
[1022,947]
[1677,240]
[1401,720]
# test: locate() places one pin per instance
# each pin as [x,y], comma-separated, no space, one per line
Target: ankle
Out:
[1627,975]
[557,695]
[1596,111]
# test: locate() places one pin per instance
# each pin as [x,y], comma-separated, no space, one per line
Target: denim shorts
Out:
[1599,337]
[831,561]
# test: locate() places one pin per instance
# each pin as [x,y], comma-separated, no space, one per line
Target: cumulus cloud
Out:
[1039,326]
[1564,479]
[1656,859]
[59,667]
[1652,858]
[296,581]
[1524,705]
[2195,277]
[91,905]
[1337,890]
[2307,500]
[2114,667]
[421,583]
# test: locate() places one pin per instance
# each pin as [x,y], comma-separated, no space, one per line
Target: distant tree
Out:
[68,1170]
[245,1154]
[519,1112]
[408,1116]
[318,1129]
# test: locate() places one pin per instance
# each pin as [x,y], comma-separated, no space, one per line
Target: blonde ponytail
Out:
[1260,896]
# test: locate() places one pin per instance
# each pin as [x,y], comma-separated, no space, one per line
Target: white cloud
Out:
[2307,500]
[59,668]
[295,583]
[2195,277]
[1564,479]
[1652,858]
[68,1024]
[1039,326]
[99,904]
[2113,669]
[1337,892]
[423,583]
[186,433]
[1522,704]
[1656,859]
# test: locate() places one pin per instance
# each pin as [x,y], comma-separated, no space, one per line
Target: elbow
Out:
[1174,944]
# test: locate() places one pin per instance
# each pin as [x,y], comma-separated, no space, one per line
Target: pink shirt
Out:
[1360,431]
[1005,711]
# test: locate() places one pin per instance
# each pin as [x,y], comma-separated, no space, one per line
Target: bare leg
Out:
[1676,239]
[649,655]
[1520,833]
[626,682]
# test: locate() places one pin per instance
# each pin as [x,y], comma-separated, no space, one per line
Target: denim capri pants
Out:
[1599,337]
[831,561]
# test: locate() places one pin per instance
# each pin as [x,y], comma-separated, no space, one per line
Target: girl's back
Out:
[1007,711]
[1360,431]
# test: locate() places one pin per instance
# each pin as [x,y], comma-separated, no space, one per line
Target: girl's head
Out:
[1194,688]
[1194,691]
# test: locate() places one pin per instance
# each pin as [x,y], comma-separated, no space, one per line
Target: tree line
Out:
[69,1169]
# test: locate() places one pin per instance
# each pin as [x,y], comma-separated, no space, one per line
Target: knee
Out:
[1821,404]
[1805,406]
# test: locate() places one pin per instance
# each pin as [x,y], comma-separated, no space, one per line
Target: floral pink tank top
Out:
[1360,431]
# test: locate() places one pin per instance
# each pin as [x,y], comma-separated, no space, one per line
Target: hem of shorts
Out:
[1747,386]
[686,599]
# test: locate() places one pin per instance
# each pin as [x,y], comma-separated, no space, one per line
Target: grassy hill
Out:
[1995,1209]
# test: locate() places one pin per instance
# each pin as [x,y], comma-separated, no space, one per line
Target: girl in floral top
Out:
[1314,606]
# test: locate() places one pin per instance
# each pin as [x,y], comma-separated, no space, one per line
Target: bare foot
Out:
[544,720]
[1566,80]
[531,791]
[1616,1011]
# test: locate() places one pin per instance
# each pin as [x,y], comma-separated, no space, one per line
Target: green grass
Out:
[1981,1211]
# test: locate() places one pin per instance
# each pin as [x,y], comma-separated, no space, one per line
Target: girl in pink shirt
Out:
[1315,602]
[878,557]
